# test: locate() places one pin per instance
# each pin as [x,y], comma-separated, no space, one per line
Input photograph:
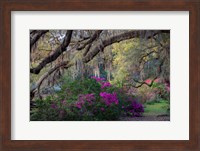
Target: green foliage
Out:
[121,64]
[84,99]
[72,88]
[43,111]
[156,108]
[162,90]
[138,59]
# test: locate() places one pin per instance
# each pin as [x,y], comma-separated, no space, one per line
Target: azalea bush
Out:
[158,91]
[87,99]
[162,89]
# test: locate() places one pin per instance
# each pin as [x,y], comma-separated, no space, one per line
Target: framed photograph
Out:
[93,75]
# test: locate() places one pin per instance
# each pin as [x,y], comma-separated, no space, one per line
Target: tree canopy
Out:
[124,57]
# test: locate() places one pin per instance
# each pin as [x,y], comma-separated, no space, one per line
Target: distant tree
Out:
[52,51]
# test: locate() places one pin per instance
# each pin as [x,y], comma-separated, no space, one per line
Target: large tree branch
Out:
[94,37]
[114,39]
[36,36]
[149,84]
[94,50]
[146,55]
[55,55]
[65,64]
[87,49]
[145,83]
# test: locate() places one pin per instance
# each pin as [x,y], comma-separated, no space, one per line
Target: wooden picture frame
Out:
[193,6]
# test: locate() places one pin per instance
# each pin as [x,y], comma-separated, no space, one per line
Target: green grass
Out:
[156,108]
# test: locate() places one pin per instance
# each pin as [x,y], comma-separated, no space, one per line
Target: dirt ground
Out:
[146,118]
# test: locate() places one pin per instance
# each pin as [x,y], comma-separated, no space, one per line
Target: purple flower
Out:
[105,84]
[98,79]
[79,104]
[109,98]
[63,102]
[54,106]
[135,108]
[86,98]
[102,109]
[83,98]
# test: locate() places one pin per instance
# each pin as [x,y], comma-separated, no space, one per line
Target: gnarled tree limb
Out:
[145,83]
[93,38]
[65,64]
[94,50]
[35,36]
[55,55]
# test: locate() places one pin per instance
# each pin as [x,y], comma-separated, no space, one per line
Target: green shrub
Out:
[84,99]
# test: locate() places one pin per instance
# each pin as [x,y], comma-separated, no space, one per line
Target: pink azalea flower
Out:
[83,98]
[105,84]
[54,106]
[157,80]
[148,81]
[168,88]
[63,102]
[78,105]
[98,79]
[102,109]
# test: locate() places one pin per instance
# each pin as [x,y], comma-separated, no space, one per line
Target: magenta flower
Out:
[102,109]
[109,98]
[86,97]
[79,104]
[135,108]
[105,84]
[63,102]
[83,98]
[98,79]
[54,106]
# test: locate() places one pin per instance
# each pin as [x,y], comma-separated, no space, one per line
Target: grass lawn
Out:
[156,108]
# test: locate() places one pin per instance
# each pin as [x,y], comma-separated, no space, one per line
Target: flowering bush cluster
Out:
[102,82]
[87,99]
[158,91]
[105,84]
[54,106]
[98,79]
[135,109]
[109,98]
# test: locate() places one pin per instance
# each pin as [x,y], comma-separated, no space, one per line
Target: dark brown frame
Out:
[6,6]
